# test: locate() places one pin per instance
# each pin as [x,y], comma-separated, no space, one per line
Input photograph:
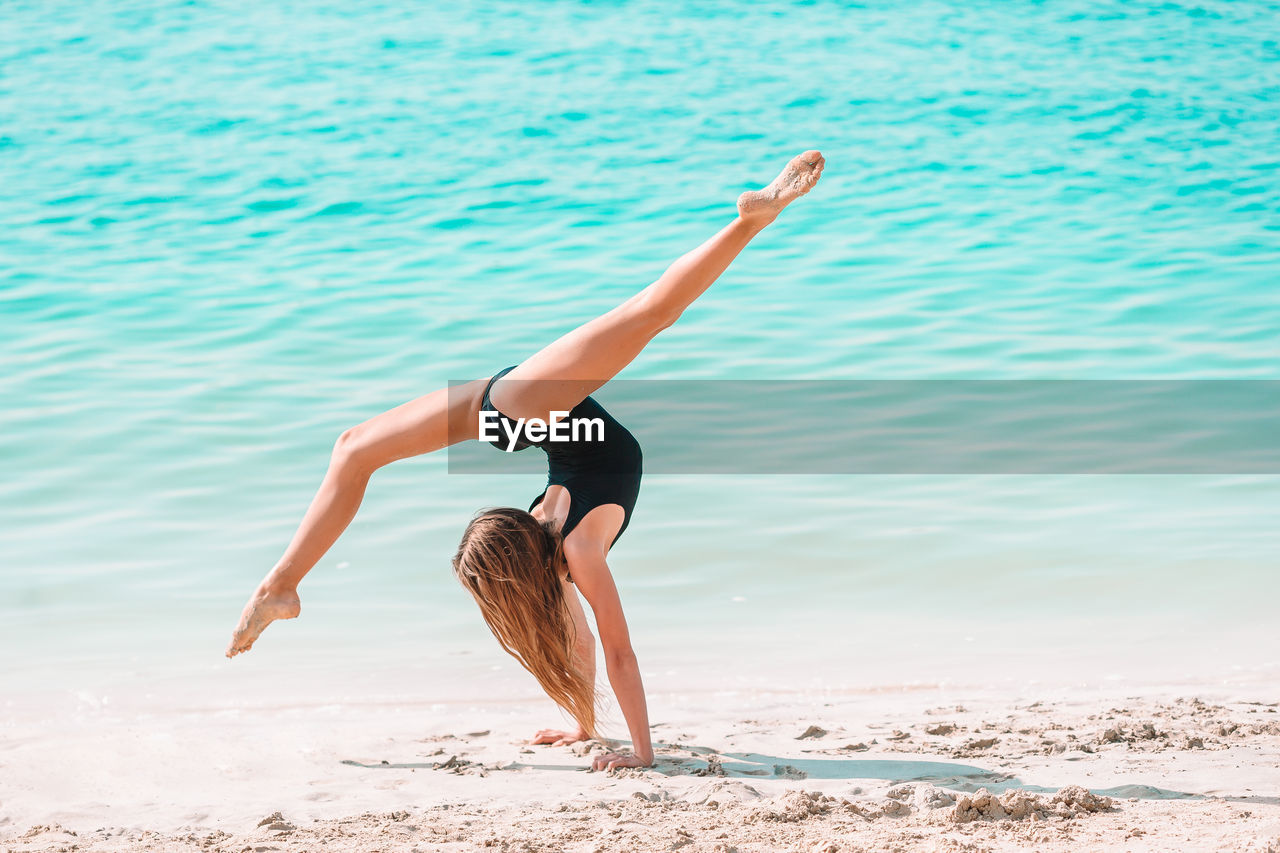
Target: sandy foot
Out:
[559,737]
[799,176]
[263,608]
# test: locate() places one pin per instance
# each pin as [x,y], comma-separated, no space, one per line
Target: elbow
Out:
[620,657]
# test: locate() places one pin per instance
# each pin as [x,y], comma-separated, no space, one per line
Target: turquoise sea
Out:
[233,229]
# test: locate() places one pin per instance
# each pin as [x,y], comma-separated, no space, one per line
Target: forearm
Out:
[585,659]
[624,677]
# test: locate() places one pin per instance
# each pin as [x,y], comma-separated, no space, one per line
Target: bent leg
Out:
[562,374]
[420,426]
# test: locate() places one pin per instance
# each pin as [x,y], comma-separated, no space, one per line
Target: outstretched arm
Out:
[428,423]
[591,575]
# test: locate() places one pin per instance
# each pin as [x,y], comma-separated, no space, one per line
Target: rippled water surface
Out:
[233,229]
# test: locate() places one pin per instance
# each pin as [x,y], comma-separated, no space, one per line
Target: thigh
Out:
[562,374]
[428,423]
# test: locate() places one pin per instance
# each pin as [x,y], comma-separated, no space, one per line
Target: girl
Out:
[522,567]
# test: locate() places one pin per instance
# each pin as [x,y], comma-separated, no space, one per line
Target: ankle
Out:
[276,585]
[757,222]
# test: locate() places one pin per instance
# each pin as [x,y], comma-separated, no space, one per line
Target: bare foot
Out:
[265,607]
[556,737]
[796,179]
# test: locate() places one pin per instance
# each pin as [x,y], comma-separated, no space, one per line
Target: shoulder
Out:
[586,557]
[589,569]
[596,531]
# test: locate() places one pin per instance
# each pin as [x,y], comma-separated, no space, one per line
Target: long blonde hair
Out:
[509,562]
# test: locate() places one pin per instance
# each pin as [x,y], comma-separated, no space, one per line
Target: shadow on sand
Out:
[953,776]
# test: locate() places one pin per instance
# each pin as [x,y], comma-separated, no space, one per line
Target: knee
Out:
[351,451]
[656,316]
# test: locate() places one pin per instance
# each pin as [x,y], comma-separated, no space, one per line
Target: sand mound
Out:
[793,807]
[1018,804]
[923,797]
[722,791]
[929,803]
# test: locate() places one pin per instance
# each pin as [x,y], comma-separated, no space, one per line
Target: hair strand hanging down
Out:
[509,562]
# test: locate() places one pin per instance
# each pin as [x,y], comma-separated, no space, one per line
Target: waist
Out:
[619,453]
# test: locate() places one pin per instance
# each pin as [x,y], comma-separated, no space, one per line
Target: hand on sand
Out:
[556,737]
[615,760]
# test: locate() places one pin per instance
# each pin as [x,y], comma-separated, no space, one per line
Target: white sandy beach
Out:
[924,768]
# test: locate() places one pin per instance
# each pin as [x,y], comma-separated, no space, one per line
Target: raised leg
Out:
[562,374]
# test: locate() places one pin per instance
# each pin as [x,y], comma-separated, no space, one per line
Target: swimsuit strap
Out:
[485,402]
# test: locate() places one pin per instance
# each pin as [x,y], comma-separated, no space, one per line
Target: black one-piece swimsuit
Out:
[594,472]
